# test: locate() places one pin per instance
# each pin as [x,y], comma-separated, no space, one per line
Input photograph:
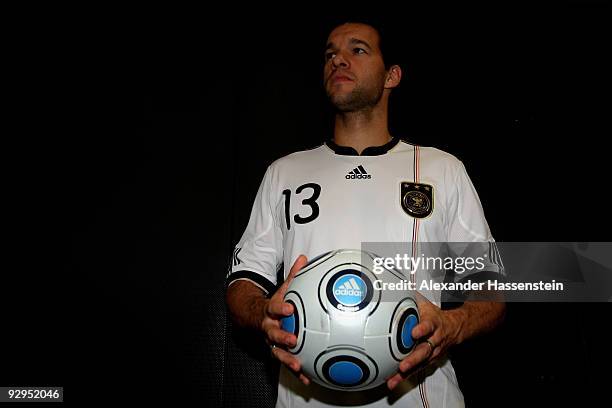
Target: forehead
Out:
[345,32]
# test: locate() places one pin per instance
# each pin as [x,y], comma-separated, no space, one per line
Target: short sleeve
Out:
[469,235]
[259,253]
[467,222]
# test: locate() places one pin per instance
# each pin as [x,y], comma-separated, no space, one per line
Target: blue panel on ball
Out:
[345,373]
[288,323]
[409,324]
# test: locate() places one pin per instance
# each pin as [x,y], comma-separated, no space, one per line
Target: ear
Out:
[394,76]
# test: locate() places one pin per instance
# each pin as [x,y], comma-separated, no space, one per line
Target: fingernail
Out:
[287,309]
[392,384]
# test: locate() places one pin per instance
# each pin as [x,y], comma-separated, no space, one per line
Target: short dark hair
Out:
[387,39]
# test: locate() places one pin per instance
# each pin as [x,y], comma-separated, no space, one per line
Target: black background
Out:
[145,134]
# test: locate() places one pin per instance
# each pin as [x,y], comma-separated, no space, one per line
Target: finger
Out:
[297,265]
[393,381]
[425,306]
[281,337]
[420,354]
[437,341]
[287,359]
[300,376]
[420,299]
[278,309]
[424,329]
[305,380]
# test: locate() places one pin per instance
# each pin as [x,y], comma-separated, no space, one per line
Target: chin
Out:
[340,98]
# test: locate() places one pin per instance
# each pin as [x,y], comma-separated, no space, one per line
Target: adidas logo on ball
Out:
[349,288]
[358,173]
[348,292]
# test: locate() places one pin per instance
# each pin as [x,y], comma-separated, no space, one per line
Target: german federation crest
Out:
[416,199]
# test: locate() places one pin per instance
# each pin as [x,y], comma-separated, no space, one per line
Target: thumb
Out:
[420,300]
[299,263]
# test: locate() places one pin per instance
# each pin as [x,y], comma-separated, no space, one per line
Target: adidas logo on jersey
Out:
[358,173]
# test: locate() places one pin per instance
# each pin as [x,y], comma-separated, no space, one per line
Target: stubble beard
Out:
[359,99]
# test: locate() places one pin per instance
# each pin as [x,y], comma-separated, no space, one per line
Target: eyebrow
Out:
[352,41]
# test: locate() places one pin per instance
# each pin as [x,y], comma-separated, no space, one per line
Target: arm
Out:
[475,317]
[250,308]
[246,303]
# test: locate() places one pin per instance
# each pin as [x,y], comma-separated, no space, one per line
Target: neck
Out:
[362,129]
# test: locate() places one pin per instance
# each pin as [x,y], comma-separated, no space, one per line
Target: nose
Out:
[339,61]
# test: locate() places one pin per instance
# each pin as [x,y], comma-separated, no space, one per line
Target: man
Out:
[310,203]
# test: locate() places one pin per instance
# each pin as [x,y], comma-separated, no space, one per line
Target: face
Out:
[354,74]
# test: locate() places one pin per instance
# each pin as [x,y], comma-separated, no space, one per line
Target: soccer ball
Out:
[351,331]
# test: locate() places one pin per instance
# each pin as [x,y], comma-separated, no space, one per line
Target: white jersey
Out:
[327,198]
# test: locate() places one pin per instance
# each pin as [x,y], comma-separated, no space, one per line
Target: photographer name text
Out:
[469,285]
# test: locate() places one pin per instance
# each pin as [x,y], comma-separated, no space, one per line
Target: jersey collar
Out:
[368,151]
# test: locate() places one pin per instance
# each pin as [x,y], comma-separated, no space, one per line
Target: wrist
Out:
[456,319]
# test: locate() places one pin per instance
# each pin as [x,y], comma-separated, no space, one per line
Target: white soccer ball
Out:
[351,334]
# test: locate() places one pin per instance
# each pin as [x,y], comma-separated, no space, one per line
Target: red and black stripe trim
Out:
[423,390]
[415,221]
[415,242]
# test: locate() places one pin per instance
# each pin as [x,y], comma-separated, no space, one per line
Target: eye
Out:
[329,55]
[358,50]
